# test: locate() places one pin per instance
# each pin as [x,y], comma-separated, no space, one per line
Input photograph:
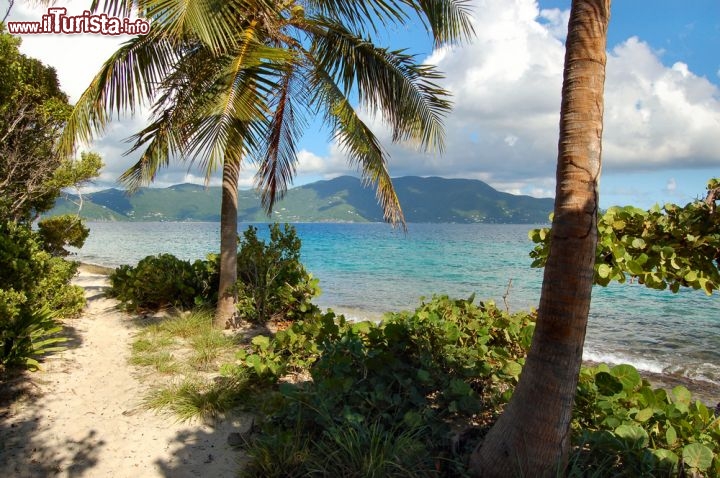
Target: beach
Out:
[81,414]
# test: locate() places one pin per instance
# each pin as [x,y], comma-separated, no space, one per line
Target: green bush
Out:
[428,374]
[625,427]
[32,283]
[27,334]
[162,281]
[60,231]
[272,282]
[414,373]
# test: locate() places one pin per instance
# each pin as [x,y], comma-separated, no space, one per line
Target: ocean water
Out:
[368,269]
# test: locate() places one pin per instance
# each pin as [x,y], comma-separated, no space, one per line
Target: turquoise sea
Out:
[368,269]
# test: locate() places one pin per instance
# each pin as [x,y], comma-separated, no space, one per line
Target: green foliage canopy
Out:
[669,247]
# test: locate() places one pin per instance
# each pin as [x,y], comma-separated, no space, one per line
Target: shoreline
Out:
[703,390]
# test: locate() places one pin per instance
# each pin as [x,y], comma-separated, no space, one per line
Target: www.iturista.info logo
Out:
[58,21]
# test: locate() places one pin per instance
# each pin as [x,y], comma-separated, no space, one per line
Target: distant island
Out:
[343,199]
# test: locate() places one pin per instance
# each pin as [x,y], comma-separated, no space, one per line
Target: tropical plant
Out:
[417,374]
[35,287]
[35,290]
[531,437]
[27,334]
[163,280]
[669,247]
[60,231]
[272,282]
[624,427]
[235,80]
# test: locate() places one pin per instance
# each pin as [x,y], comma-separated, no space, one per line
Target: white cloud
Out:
[75,57]
[506,87]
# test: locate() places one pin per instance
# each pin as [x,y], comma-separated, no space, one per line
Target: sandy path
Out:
[84,417]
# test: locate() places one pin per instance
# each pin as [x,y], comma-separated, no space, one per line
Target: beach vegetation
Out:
[182,354]
[625,427]
[669,247]
[35,289]
[416,377]
[195,398]
[330,396]
[162,281]
[272,282]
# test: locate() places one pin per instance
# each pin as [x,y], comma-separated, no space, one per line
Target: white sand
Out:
[86,418]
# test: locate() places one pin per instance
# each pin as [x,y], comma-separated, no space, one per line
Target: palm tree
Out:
[233,81]
[531,437]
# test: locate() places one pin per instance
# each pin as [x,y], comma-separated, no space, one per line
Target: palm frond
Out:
[162,141]
[362,15]
[278,165]
[213,22]
[387,81]
[359,143]
[448,20]
[184,92]
[239,95]
[115,8]
[127,79]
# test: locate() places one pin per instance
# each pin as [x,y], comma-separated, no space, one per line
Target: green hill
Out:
[342,199]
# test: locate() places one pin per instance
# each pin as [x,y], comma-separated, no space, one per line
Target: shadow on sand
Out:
[205,452]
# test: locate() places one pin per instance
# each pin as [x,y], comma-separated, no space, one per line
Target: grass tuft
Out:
[193,398]
[187,347]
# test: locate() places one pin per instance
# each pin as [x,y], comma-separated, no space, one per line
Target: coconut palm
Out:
[232,82]
[532,436]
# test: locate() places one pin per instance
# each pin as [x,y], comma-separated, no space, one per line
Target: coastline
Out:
[705,391]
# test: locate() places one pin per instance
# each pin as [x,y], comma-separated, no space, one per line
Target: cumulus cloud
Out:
[507,84]
[506,88]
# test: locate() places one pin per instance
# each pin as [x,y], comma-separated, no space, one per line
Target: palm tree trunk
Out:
[531,437]
[228,244]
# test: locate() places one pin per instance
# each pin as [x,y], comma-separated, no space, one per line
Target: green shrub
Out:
[272,282]
[414,373]
[55,291]
[32,283]
[163,280]
[60,231]
[625,427]
[26,334]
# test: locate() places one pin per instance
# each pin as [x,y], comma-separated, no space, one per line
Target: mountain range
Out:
[343,199]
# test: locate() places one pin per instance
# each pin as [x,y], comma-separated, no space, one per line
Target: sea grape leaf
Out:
[670,435]
[604,271]
[607,384]
[698,456]
[665,456]
[644,415]
[682,395]
[633,434]
[628,376]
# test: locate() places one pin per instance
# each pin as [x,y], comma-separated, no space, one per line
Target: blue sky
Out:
[662,100]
